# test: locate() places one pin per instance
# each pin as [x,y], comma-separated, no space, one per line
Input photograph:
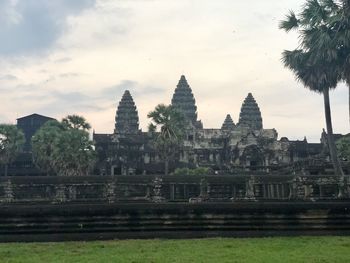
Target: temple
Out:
[184,101]
[232,149]
[250,114]
[228,124]
[127,118]
[244,147]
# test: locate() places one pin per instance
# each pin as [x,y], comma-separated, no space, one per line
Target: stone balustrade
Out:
[156,188]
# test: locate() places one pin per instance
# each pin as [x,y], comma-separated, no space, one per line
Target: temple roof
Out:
[35,115]
[184,101]
[250,113]
[228,123]
[127,119]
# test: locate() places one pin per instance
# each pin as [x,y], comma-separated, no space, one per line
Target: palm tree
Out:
[11,142]
[317,77]
[73,154]
[325,29]
[44,142]
[171,125]
[340,21]
[64,147]
[76,122]
[319,62]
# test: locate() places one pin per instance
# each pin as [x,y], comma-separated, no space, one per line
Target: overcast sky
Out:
[60,57]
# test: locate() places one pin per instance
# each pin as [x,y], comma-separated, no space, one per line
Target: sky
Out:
[63,57]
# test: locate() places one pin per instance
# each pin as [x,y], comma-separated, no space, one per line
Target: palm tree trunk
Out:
[6,169]
[331,144]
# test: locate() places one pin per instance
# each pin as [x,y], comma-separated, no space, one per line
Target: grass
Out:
[279,249]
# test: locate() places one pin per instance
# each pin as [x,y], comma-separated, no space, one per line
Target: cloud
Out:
[32,26]
[62,60]
[134,87]
[70,97]
[118,90]
[90,53]
[69,75]
[62,103]
[8,77]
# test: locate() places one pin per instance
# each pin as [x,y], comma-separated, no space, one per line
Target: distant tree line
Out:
[11,142]
[64,148]
[59,148]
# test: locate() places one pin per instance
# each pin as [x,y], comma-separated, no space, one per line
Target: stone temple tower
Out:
[184,101]
[228,124]
[126,119]
[250,114]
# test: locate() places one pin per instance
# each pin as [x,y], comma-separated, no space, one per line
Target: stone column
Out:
[185,191]
[110,191]
[60,195]
[264,191]
[172,192]
[72,191]
[321,191]
[8,192]
[234,192]
[203,189]
[283,191]
[272,194]
[250,189]
[157,190]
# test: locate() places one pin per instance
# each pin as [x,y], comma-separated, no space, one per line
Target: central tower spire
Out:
[184,101]
[127,118]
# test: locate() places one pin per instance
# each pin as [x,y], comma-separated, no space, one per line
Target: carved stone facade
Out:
[126,119]
[184,101]
[244,147]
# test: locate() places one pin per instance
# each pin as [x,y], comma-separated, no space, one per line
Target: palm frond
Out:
[313,14]
[291,22]
[330,5]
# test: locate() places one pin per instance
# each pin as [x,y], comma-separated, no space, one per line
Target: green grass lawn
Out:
[281,249]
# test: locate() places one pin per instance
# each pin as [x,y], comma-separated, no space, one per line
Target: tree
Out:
[312,67]
[343,146]
[64,148]
[44,143]
[11,142]
[76,122]
[325,28]
[73,154]
[171,124]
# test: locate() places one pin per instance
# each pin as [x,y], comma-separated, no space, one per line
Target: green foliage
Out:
[171,125]
[44,143]
[196,171]
[313,73]
[170,122]
[76,122]
[11,142]
[324,29]
[64,148]
[291,22]
[330,249]
[343,146]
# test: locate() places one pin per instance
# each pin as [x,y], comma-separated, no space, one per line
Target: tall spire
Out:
[228,124]
[184,101]
[126,119]
[250,114]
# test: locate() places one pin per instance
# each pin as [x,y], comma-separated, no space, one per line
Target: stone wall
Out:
[57,222]
[145,188]
[103,207]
